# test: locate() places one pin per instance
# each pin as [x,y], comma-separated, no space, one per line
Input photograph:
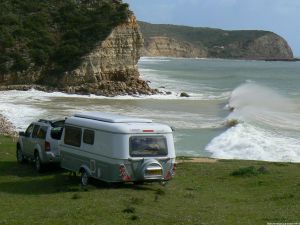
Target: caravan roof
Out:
[111,118]
[116,123]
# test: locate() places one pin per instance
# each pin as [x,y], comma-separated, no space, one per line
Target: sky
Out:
[279,16]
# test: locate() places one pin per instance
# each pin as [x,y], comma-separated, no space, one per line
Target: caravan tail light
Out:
[148,131]
[171,172]
[123,173]
[47,146]
[174,168]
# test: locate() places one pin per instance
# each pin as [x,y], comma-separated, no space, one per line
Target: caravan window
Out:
[140,146]
[88,137]
[72,136]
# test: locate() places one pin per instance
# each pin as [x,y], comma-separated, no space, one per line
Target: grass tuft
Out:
[129,209]
[136,201]
[134,217]
[249,171]
[284,196]
[188,195]
[75,196]
[160,192]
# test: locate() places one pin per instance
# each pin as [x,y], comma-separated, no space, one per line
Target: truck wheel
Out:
[84,178]
[138,182]
[37,163]
[20,156]
[115,184]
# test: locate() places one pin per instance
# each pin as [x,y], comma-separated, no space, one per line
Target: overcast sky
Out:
[279,16]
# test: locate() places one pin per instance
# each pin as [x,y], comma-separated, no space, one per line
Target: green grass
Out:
[199,194]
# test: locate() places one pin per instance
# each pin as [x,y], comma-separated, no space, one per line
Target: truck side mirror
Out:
[21,133]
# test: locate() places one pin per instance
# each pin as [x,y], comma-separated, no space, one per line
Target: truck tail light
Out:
[123,173]
[47,146]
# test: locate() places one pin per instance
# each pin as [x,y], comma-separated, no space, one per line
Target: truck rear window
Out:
[141,146]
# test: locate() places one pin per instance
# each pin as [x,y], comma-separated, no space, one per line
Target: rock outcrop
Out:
[111,68]
[170,47]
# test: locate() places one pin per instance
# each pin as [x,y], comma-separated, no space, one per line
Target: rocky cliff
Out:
[170,47]
[266,47]
[182,41]
[89,47]
[111,67]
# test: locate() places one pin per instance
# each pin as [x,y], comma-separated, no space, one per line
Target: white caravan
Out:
[116,148]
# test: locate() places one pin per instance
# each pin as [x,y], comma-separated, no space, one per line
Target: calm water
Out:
[265,97]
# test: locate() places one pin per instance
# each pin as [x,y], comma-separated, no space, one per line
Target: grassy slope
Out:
[200,194]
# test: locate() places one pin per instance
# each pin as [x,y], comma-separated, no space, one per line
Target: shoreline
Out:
[296,59]
[73,90]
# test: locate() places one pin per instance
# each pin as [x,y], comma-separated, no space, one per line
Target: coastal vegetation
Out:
[185,41]
[224,192]
[54,35]
[200,36]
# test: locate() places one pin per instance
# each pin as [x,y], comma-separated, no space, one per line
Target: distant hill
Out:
[184,41]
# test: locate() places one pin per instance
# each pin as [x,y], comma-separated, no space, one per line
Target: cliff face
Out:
[111,68]
[170,47]
[182,41]
[270,46]
[267,47]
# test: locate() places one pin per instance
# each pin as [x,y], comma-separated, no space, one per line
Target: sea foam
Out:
[265,129]
[245,141]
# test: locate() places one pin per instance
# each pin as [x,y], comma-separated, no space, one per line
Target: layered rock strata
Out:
[111,68]
[170,47]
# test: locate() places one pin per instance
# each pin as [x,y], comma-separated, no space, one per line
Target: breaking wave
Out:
[245,141]
[266,126]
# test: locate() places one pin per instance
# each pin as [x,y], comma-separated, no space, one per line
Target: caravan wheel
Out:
[84,178]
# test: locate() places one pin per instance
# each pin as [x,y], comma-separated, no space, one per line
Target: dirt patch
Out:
[197,160]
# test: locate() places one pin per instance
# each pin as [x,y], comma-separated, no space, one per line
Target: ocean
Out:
[237,109]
